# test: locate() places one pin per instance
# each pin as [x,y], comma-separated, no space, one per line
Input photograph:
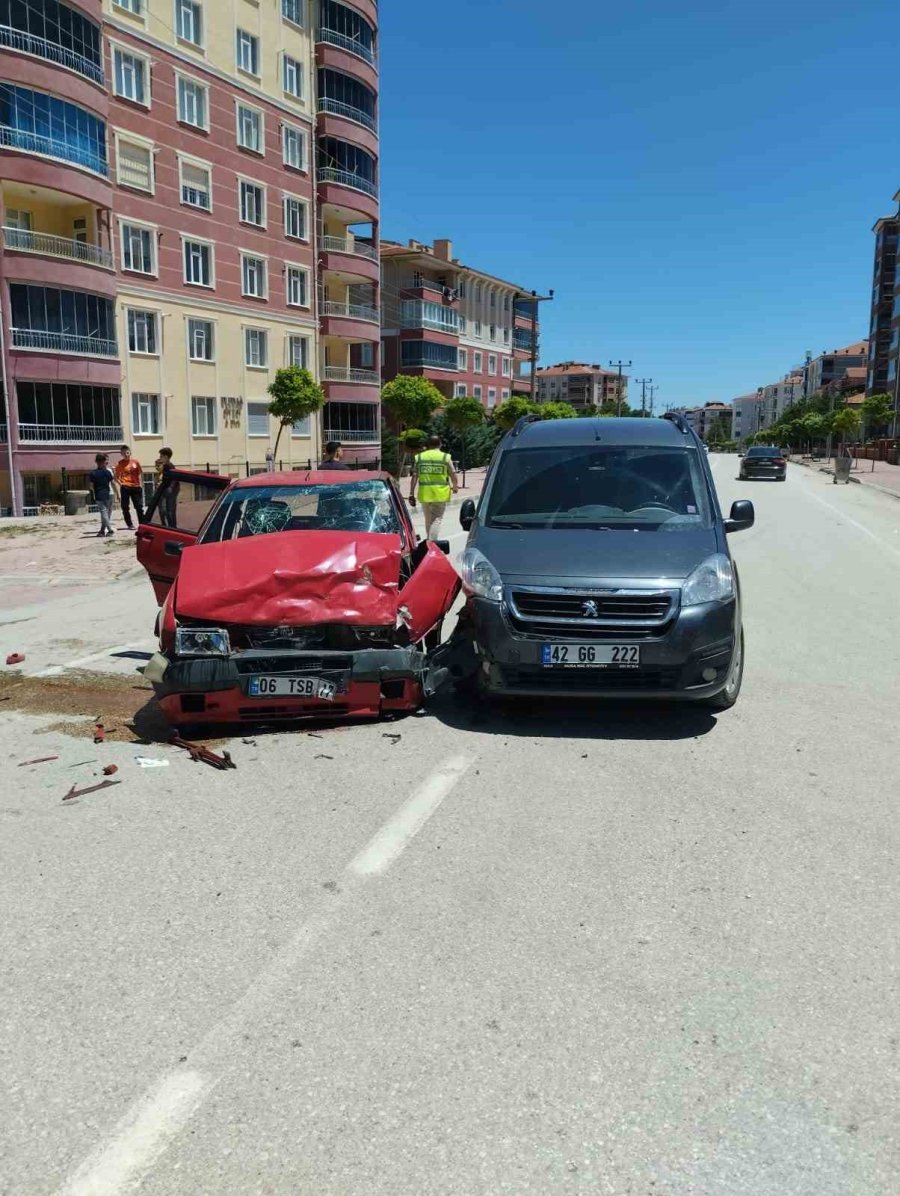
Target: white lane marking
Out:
[140,1136]
[57,669]
[395,835]
[882,543]
[151,1123]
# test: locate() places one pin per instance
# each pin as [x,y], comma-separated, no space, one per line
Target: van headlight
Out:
[202,641]
[480,577]
[713,581]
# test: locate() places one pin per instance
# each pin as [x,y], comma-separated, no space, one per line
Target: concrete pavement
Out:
[556,949]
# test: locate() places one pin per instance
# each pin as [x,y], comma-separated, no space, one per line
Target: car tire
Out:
[727,697]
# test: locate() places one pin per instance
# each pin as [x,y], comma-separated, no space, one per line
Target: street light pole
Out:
[644,383]
[535,300]
[620,365]
[653,389]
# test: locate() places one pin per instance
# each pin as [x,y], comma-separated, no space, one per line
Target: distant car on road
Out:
[763,461]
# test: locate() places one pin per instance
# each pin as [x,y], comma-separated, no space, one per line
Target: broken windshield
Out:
[364,506]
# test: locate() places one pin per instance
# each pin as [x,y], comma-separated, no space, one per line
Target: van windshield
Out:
[260,510]
[600,486]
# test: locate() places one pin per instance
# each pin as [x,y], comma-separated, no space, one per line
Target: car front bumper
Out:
[698,639]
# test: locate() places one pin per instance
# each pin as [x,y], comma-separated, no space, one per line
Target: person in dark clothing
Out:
[129,478]
[101,480]
[333,454]
[169,501]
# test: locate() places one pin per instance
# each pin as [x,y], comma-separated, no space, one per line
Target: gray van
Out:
[597,565]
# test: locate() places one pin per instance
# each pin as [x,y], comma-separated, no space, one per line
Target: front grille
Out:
[650,608]
[330,667]
[597,680]
[582,631]
[331,637]
[264,714]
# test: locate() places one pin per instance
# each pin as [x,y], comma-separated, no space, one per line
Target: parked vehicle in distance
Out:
[763,461]
[287,595]
[598,566]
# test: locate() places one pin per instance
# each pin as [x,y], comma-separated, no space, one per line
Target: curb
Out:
[856,481]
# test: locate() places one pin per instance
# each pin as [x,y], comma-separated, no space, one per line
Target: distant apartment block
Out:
[884,329]
[580,385]
[841,368]
[777,397]
[467,331]
[704,419]
[746,416]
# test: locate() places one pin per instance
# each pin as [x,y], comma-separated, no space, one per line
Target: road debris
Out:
[15,658]
[73,792]
[151,762]
[322,756]
[99,733]
[395,738]
[200,753]
[249,742]
[110,769]
[39,760]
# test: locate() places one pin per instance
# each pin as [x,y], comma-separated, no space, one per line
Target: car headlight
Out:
[480,577]
[713,581]
[202,641]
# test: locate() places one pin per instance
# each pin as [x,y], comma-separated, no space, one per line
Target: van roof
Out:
[644,432]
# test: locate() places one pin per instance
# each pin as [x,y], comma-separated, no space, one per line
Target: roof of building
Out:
[857,349]
[573,367]
[418,250]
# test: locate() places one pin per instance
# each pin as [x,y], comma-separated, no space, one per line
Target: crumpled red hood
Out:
[292,578]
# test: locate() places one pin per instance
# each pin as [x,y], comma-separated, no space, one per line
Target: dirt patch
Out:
[9,533]
[125,705]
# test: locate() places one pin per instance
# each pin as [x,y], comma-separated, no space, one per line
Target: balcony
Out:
[348,112]
[349,311]
[39,47]
[70,433]
[63,342]
[416,313]
[343,42]
[350,246]
[342,373]
[48,245]
[418,283]
[346,178]
[50,147]
[361,436]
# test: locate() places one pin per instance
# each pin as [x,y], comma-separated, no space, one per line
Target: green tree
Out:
[461,414]
[611,408]
[845,424]
[481,440]
[878,411]
[557,411]
[508,414]
[411,401]
[411,441]
[295,394]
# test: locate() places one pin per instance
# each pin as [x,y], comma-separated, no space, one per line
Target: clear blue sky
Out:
[697,181]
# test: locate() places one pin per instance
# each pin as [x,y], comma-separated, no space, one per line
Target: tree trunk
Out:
[281,428]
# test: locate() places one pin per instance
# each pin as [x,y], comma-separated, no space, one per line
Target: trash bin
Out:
[77,501]
[842,470]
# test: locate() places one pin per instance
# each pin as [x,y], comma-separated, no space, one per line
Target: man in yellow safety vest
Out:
[435,477]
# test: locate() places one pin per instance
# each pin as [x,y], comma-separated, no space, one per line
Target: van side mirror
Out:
[444,546]
[742,516]
[467,514]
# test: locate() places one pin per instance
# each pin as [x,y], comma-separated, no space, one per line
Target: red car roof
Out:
[320,477]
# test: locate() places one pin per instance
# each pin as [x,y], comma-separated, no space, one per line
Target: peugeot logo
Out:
[590,609]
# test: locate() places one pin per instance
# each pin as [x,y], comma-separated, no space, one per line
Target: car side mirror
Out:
[467,514]
[742,516]
[444,546]
[740,454]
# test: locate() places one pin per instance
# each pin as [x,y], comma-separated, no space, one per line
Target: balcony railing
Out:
[50,147]
[364,436]
[351,311]
[71,433]
[348,112]
[341,373]
[349,245]
[24,240]
[426,284]
[346,178]
[27,43]
[63,342]
[450,327]
[343,42]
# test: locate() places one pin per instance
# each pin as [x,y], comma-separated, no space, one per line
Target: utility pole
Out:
[620,365]
[653,389]
[535,300]
[643,383]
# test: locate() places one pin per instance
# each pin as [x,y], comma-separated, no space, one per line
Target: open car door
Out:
[430,592]
[177,511]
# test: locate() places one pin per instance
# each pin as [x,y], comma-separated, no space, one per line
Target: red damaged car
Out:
[289,595]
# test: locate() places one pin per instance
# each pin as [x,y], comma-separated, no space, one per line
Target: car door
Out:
[178,509]
[430,592]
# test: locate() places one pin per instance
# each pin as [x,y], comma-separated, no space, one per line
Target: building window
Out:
[492,363]
[507,367]
[18,218]
[493,332]
[203,416]
[142,331]
[192,102]
[463,359]
[506,302]
[135,7]
[257,419]
[256,348]
[427,355]
[134,165]
[293,146]
[478,361]
[247,52]
[297,287]
[138,246]
[478,328]
[198,263]
[253,276]
[292,10]
[250,128]
[476,392]
[63,404]
[73,321]
[298,351]
[42,124]
[504,394]
[253,204]
[200,340]
[461,390]
[145,414]
[294,218]
[492,396]
[493,298]
[292,77]
[196,186]
[130,76]
[189,21]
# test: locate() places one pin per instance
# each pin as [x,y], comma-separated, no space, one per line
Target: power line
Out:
[620,365]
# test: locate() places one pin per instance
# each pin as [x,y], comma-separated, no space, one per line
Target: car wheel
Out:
[727,697]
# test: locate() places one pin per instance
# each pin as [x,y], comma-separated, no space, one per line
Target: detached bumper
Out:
[216,689]
[698,641]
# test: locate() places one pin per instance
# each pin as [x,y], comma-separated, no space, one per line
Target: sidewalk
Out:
[884,477]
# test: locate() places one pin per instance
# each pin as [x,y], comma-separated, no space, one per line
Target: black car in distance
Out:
[597,565]
[763,461]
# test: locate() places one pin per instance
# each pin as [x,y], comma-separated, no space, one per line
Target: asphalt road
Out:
[611,950]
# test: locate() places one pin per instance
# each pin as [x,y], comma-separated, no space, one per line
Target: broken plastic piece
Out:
[15,658]
[39,760]
[151,762]
[73,792]
[203,754]
[99,733]
[110,769]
